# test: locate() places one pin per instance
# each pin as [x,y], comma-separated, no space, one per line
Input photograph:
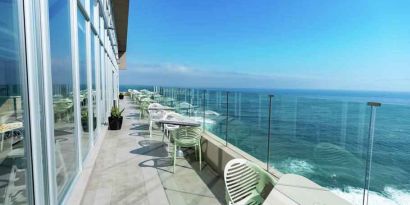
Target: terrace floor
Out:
[132,168]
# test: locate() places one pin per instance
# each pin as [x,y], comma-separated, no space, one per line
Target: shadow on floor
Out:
[132,116]
[140,133]
[212,179]
[133,107]
[158,163]
[141,126]
[151,148]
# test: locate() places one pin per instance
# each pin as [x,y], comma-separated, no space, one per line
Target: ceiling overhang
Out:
[121,10]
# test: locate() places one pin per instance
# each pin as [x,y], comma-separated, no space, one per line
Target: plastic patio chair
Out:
[154,116]
[143,107]
[168,128]
[246,182]
[188,137]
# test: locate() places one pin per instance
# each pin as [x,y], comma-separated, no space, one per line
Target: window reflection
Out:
[92,4]
[93,83]
[102,74]
[62,81]
[85,139]
[13,182]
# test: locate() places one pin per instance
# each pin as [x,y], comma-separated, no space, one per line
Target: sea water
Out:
[322,135]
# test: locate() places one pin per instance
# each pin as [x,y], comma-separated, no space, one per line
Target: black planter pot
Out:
[94,123]
[121,96]
[115,123]
[84,124]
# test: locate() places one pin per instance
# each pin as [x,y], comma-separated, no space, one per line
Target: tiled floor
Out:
[132,168]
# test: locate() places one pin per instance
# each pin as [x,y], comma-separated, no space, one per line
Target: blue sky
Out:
[349,44]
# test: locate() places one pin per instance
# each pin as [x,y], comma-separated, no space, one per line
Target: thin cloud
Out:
[181,75]
[185,76]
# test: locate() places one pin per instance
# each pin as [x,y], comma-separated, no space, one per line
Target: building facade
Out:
[59,63]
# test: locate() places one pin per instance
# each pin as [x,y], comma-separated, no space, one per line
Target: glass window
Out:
[92,4]
[93,83]
[101,29]
[13,164]
[83,3]
[82,54]
[102,74]
[62,81]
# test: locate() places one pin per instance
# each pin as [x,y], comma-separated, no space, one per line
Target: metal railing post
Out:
[366,188]
[204,109]
[269,132]
[226,122]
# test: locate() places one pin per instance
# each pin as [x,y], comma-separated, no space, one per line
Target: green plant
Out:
[115,112]
[84,115]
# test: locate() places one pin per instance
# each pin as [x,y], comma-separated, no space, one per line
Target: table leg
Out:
[2,141]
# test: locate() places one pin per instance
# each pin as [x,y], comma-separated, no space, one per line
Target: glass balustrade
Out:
[390,169]
[357,150]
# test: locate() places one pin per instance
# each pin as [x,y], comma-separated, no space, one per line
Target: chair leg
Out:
[200,157]
[150,128]
[175,156]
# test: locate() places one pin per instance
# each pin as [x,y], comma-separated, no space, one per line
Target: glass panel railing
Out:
[215,113]
[323,140]
[248,123]
[390,168]
[326,140]
[196,106]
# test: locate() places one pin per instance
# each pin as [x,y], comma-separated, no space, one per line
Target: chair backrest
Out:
[172,115]
[156,114]
[154,105]
[244,180]
[189,132]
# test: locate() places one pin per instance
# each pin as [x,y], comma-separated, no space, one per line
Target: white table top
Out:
[184,122]
[10,126]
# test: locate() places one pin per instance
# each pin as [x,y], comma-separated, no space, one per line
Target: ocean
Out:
[319,134]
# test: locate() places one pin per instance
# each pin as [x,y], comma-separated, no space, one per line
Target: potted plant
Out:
[84,120]
[115,120]
[121,96]
[94,122]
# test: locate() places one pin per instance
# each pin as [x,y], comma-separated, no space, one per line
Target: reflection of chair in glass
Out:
[188,137]
[15,190]
[61,169]
[246,182]
[62,109]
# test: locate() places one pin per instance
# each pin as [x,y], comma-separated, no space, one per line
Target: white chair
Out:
[168,128]
[154,115]
[246,183]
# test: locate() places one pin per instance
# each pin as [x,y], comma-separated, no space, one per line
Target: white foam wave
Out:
[394,196]
[200,119]
[296,166]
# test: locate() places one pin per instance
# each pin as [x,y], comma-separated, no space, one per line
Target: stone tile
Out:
[179,197]
[132,168]
[102,196]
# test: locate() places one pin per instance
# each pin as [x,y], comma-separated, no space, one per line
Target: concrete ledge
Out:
[217,154]
[291,189]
